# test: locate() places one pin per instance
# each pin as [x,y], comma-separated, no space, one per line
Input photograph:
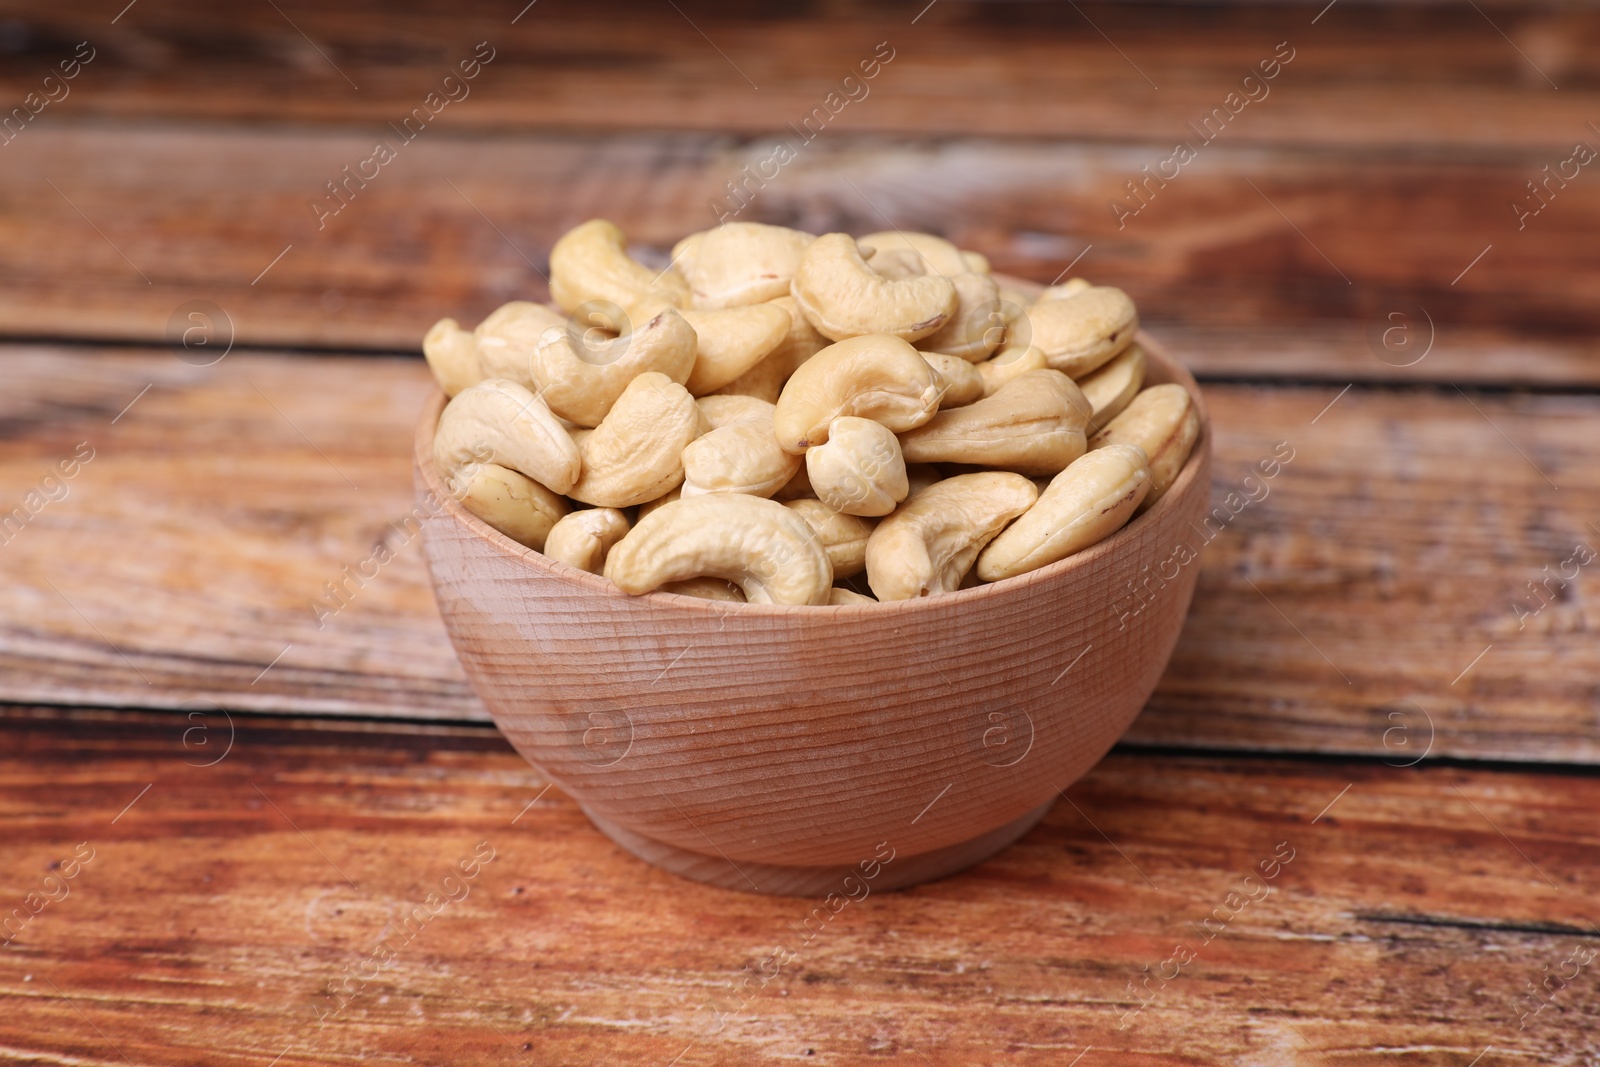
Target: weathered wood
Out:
[228,908]
[1404,76]
[457,224]
[1396,541]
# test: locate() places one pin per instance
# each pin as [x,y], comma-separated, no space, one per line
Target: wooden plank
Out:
[258,908]
[1404,76]
[1296,258]
[1389,551]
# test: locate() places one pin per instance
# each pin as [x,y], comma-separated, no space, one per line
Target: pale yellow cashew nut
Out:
[840,597]
[591,262]
[583,538]
[740,453]
[1033,425]
[844,297]
[636,453]
[844,537]
[580,379]
[1113,386]
[1162,420]
[1007,364]
[500,421]
[731,341]
[763,547]
[875,377]
[962,382]
[739,263]
[938,255]
[512,503]
[507,338]
[859,469]
[978,324]
[1086,503]
[930,542]
[452,356]
[1081,331]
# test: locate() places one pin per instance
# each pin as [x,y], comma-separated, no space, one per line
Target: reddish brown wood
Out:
[787,739]
[214,922]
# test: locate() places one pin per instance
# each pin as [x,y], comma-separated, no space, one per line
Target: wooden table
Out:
[219,815]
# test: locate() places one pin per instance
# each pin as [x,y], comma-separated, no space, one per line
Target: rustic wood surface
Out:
[1367,677]
[229,908]
[1383,559]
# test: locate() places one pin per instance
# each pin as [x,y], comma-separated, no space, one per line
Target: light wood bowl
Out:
[781,749]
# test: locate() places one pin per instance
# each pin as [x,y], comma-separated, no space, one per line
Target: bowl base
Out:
[781,880]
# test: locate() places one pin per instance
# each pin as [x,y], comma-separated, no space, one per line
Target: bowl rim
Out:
[583,582]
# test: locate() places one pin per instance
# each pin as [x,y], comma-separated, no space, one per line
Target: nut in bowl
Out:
[697,663]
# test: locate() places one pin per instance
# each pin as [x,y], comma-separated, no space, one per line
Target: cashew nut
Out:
[583,538]
[512,503]
[581,377]
[896,263]
[929,543]
[740,453]
[962,382]
[650,505]
[839,597]
[859,469]
[591,263]
[1164,422]
[739,263]
[843,537]
[507,338]
[1082,330]
[636,453]
[452,356]
[500,421]
[706,589]
[1086,503]
[876,377]
[939,255]
[760,545]
[1110,388]
[797,488]
[978,324]
[843,297]
[1070,287]
[1034,424]
[921,475]
[732,341]
[1007,364]
[976,262]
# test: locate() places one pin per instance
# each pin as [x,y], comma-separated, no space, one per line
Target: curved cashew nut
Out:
[1034,424]
[962,382]
[1164,422]
[976,262]
[706,589]
[859,469]
[1007,364]
[929,543]
[583,538]
[839,597]
[1086,503]
[1109,389]
[733,340]
[636,453]
[591,262]
[978,324]
[507,338]
[739,263]
[501,421]
[876,377]
[896,263]
[843,297]
[843,537]
[938,255]
[512,503]
[759,545]
[1070,287]
[1083,329]
[452,356]
[740,453]
[580,380]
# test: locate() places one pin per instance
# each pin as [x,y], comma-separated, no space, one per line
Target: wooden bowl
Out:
[784,749]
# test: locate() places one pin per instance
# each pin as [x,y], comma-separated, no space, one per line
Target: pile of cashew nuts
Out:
[775,413]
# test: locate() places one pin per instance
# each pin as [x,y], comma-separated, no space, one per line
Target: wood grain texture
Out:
[230,907]
[786,737]
[1403,76]
[1297,276]
[1396,540]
